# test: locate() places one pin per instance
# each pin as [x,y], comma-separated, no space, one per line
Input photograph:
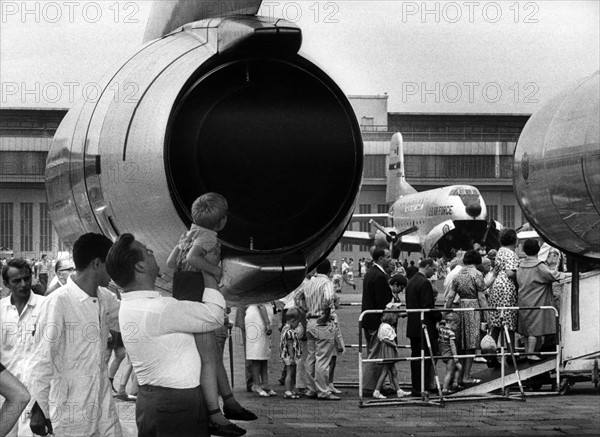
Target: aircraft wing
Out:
[367,217]
[410,243]
[357,237]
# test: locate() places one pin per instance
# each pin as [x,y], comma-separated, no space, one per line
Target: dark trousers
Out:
[415,366]
[171,412]
[43,278]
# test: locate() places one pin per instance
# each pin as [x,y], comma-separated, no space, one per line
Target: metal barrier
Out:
[426,343]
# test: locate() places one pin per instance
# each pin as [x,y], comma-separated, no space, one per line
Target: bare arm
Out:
[389,342]
[16,399]
[195,258]
[172,260]
[453,349]
[450,299]
[262,310]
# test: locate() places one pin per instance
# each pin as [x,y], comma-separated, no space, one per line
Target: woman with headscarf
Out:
[468,284]
[535,280]
[503,292]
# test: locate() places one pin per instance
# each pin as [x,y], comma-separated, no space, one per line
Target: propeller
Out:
[392,236]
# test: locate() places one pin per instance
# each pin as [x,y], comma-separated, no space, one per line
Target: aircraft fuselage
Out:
[447,218]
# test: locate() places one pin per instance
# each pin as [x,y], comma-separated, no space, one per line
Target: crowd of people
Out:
[473,279]
[55,349]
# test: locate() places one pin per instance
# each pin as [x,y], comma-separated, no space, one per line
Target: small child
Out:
[386,347]
[447,340]
[199,250]
[291,351]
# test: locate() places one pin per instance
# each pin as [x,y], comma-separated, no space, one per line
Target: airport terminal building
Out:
[440,149]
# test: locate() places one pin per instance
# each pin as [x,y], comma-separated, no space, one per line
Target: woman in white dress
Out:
[258,347]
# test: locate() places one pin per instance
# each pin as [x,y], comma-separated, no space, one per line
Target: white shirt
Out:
[158,335]
[386,332]
[17,333]
[448,283]
[67,369]
[17,345]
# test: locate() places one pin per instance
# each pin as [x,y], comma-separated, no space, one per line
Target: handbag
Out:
[488,345]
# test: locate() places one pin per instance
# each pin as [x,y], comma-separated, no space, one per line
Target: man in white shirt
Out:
[158,335]
[455,267]
[69,377]
[318,295]
[18,313]
[43,268]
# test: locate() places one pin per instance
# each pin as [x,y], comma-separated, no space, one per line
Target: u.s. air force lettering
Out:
[440,210]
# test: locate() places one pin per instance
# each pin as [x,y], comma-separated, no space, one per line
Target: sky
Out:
[453,57]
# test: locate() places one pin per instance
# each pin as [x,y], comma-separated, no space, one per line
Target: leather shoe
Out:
[330,397]
[310,394]
[231,430]
[239,414]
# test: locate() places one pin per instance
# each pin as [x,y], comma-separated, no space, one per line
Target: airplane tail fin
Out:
[397,186]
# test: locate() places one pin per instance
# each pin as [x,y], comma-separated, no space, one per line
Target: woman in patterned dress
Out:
[469,285]
[503,292]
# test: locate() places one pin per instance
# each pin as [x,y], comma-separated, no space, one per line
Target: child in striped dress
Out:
[290,350]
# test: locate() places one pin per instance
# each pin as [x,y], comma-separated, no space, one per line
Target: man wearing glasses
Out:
[18,313]
[63,269]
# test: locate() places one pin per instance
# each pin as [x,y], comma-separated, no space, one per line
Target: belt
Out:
[155,388]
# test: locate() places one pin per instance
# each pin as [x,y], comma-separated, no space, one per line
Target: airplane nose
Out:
[473,209]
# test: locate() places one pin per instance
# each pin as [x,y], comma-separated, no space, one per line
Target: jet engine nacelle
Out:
[224,105]
[557,170]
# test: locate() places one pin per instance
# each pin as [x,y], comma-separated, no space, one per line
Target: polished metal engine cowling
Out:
[224,105]
[557,170]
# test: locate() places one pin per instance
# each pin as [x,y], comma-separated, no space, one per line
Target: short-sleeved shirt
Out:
[447,337]
[206,240]
[386,332]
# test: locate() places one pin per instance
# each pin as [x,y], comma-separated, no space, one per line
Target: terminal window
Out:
[374,166]
[45,229]
[508,216]
[6,225]
[450,166]
[26,226]
[492,212]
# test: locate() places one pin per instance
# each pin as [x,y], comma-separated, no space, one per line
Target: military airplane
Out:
[442,219]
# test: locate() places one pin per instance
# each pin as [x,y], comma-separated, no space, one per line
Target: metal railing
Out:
[507,349]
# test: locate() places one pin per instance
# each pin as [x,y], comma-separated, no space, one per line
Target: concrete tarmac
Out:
[575,413]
